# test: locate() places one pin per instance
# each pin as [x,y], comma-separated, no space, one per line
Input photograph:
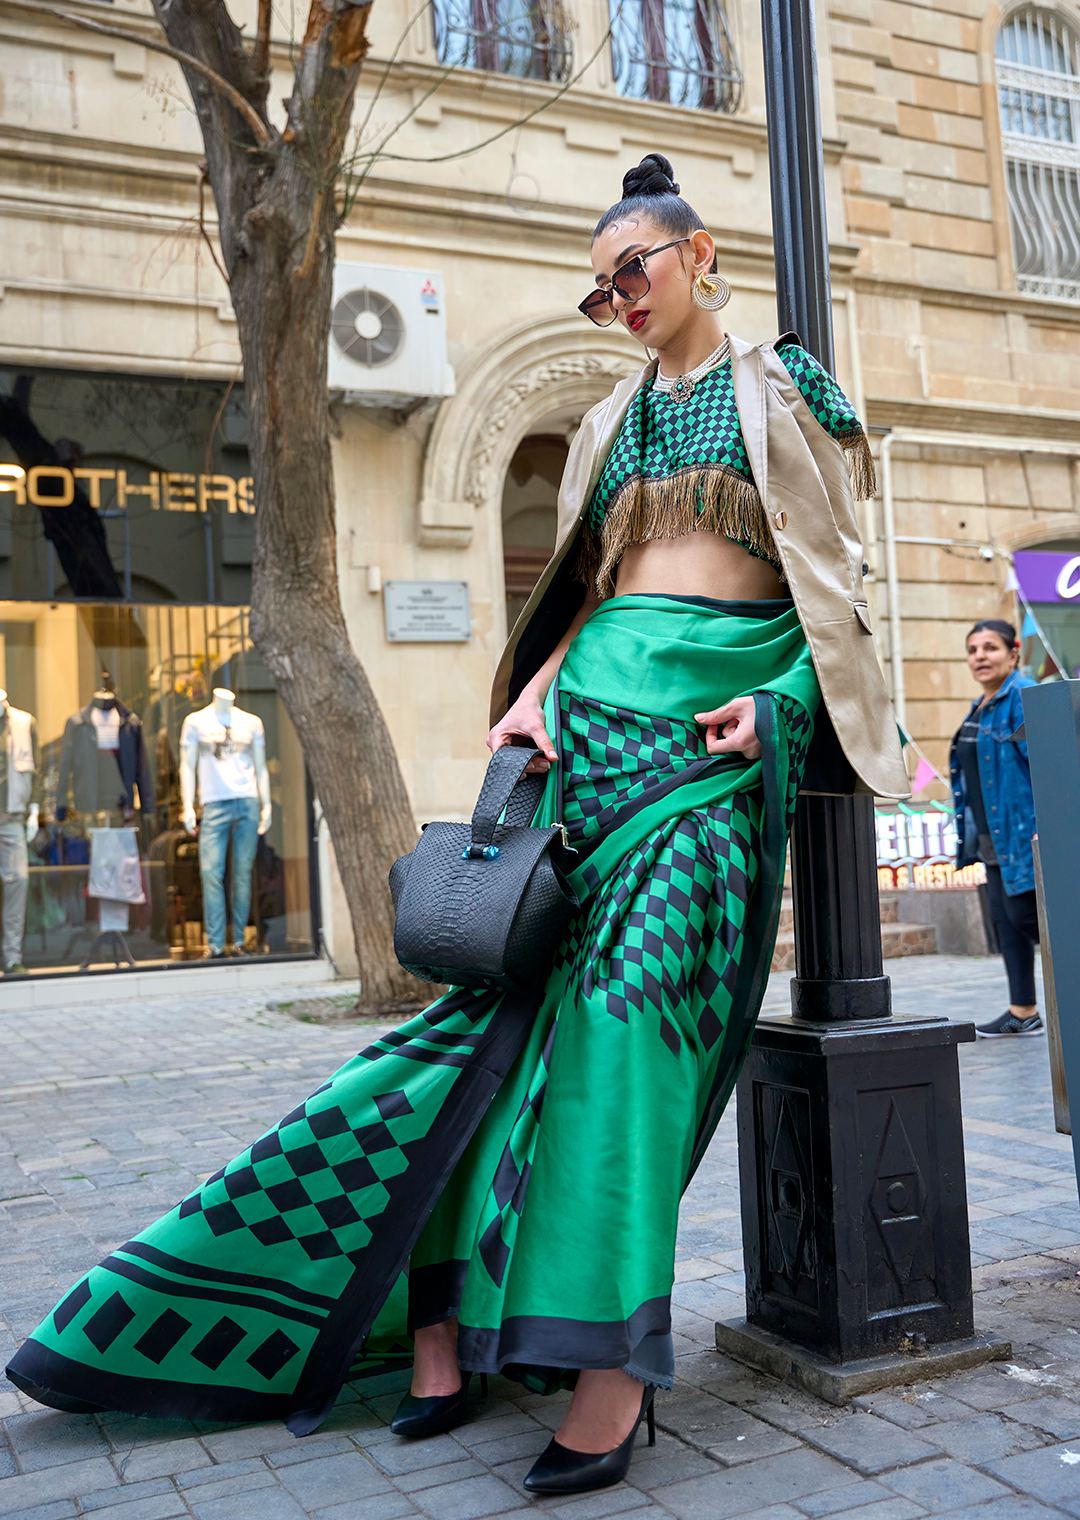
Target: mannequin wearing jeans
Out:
[223,751]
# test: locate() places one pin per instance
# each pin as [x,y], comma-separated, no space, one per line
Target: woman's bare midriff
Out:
[698,564]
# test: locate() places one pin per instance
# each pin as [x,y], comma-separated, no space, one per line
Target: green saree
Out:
[522,1157]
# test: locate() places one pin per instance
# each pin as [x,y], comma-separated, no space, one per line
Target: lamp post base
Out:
[840,1383]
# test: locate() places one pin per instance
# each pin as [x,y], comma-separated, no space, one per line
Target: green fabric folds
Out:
[527,1153]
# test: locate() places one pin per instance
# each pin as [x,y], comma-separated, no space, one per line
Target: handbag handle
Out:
[505,770]
[500,782]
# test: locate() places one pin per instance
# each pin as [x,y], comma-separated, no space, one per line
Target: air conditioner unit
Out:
[388,336]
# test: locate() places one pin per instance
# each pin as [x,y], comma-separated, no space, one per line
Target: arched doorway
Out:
[530,514]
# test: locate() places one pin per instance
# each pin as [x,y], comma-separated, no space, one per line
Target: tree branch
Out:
[246,109]
[260,58]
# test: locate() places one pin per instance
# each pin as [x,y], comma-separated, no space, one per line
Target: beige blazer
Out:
[802,478]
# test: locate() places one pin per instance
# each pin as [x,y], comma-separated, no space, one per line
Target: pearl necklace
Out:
[681,387]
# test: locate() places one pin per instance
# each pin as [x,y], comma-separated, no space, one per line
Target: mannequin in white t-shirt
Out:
[223,753]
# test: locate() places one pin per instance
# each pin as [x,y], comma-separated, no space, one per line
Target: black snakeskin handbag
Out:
[485,904]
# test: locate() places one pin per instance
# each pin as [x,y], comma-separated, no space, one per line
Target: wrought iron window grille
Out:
[679,51]
[1038,79]
[528,39]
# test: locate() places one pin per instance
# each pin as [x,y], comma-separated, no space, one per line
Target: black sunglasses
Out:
[630,280]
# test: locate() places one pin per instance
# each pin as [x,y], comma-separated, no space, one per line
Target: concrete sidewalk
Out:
[108,1116]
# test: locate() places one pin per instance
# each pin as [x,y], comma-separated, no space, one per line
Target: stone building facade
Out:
[490,175]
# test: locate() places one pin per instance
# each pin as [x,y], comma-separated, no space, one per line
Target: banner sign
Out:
[916,847]
[1046,577]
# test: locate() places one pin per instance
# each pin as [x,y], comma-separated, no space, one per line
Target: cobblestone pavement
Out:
[108,1115]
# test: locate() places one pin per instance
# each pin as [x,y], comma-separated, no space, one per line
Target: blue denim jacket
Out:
[1006,788]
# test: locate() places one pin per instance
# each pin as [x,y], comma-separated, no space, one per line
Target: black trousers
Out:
[1016,921]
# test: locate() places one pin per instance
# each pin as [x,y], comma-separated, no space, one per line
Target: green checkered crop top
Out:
[677,466]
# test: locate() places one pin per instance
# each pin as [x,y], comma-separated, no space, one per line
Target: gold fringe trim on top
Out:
[860,463]
[709,498]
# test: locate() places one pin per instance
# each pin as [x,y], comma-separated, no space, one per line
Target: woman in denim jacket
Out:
[995,814]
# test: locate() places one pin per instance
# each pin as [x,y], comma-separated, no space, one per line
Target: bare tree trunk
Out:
[276,216]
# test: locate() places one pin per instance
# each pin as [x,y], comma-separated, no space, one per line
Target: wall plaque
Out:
[427,612]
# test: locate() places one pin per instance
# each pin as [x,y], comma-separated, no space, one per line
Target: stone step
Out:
[896,940]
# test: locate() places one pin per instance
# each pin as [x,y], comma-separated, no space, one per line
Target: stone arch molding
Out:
[503,392]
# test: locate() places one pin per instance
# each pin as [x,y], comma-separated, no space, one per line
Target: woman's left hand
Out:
[731,729]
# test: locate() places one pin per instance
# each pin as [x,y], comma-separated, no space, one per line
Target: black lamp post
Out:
[855,1230]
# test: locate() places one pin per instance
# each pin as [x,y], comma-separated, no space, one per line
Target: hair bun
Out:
[653,176]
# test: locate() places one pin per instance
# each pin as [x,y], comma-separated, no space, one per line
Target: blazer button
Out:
[780,519]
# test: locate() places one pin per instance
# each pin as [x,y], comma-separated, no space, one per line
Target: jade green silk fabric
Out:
[526,1151]
[554,1241]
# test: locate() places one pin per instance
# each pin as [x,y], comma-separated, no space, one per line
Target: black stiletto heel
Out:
[430,1417]
[558,1470]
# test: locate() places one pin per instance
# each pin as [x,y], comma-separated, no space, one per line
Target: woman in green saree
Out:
[522,1158]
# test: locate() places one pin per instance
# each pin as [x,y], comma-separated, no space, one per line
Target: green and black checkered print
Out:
[660,436]
[514,1126]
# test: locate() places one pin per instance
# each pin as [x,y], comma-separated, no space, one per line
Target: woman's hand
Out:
[730,729]
[525,717]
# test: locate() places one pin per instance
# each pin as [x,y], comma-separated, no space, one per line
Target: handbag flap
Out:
[455,911]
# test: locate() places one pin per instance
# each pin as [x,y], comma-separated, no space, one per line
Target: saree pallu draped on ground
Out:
[527,1152]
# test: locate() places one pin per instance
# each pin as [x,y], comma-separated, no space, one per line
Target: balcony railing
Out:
[529,39]
[678,51]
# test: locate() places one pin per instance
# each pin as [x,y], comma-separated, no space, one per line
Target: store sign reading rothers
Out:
[53,485]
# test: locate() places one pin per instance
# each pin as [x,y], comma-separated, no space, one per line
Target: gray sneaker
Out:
[1008,1023]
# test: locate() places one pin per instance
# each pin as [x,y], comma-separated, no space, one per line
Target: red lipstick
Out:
[636,320]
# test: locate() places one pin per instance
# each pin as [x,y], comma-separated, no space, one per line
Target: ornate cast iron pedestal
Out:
[855,1227]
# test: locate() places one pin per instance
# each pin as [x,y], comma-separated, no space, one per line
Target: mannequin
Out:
[104,761]
[19,803]
[223,752]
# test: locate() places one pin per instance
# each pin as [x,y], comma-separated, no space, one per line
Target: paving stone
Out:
[1010,1508]
[869,1444]
[333,1480]
[162,1460]
[159,1507]
[979,1438]
[759,1441]
[50,1483]
[1051,1474]
[942,1485]
[513,1422]
[835,1501]
[620,1500]
[431,1477]
[219,1472]
[745,1490]
[672,1468]
[378,1507]
[906,1413]
[469,1499]
[1058,1417]
[248,1441]
[893,1508]
[204,1493]
[308,1449]
[985,1390]
[63,1509]
[8,1468]
[45,1438]
[529,1443]
[130,1492]
[273,1504]
[400,1456]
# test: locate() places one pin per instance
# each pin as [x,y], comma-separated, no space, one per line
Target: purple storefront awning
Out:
[1048,577]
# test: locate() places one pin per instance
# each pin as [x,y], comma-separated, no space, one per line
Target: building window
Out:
[678,51]
[1038,78]
[530,39]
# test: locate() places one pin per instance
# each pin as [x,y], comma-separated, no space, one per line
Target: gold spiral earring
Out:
[710,292]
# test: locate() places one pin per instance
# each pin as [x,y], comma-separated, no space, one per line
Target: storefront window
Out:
[126,537]
[1048,581]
